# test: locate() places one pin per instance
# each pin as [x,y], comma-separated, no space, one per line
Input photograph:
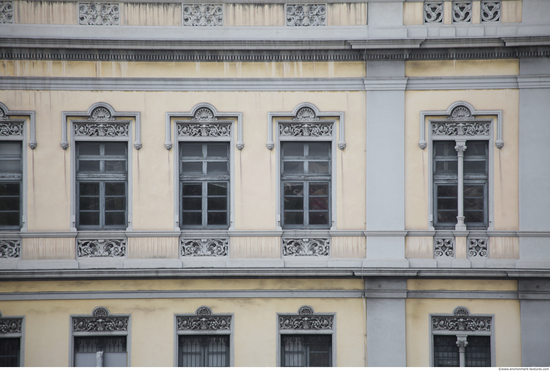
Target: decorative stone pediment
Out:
[460,113]
[204,114]
[461,122]
[10,249]
[101,114]
[306,114]
[101,320]
[203,320]
[461,320]
[306,319]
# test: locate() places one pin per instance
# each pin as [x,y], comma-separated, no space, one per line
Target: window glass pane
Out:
[447,191]
[445,351]
[10,218]
[447,204]
[293,351]
[9,189]
[192,218]
[320,149]
[318,189]
[88,149]
[89,189]
[217,189]
[293,203]
[115,165]
[319,350]
[318,218]
[88,165]
[473,204]
[475,148]
[217,150]
[89,203]
[89,218]
[115,218]
[113,348]
[474,190]
[217,218]
[217,168]
[446,217]
[191,167]
[446,167]
[293,189]
[115,203]
[475,167]
[306,350]
[114,149]
[191,189]
[318,167]
[10,166]
[115,189]
[474,216]
[192,203]
[217,203]
[10,148]
[445,148]
[293,167]
[293,149]
[203,351]
[9,203]
[318,203]
[292,217]
[191,150]
[478,351]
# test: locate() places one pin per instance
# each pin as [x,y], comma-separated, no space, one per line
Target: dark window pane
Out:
[293,217]
[473,204]
[191,150]
[115,203]
[446,167]
[89,203]
[191,167]
[306,350]
[319,351]
[10,166]
[476,148]
[293,149]
[318,203]
[89,218]
[446,217]
[115,149]
[9,352]
[217,218]
[115,165]
[475,167]
[203,351]
[89,189]
[9,189]
[293,167]
[217,168]
[217,150]
[10,218]
[88,149]
[474,216]
[478,351]
[293,189]
[445,148]
[447,191]
[474,190]
[445,351]
[318,218]
[318,168]
[115,189]
[115,218]
[193,218]
[318,189]
[321,149]
[192,189]
[293,203]
[217,189]
[447,204]
[192,203]
[9,203]
[88,165]
[217,203]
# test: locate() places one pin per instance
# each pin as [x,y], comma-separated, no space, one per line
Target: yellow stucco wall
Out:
[494,67]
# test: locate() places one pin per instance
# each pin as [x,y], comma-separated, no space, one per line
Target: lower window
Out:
[100,351]
[477,352]
[10,349]
[306,350]
[203,351]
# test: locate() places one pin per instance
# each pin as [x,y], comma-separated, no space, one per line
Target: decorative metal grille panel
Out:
[306,319]
[98,14]
[433,12]
[462,11]
[203,15]
[203,320]
[490,11]
[461,321]
[444,247]
[305,130]
[11,129]
[478,247]
[306,246]
[101,248]
[10,249]
[306,15]
[102,129]
[204,247]
[204,130]
[100,321]
[10,325]
[6,12]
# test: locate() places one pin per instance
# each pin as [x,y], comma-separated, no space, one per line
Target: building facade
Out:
[274,183]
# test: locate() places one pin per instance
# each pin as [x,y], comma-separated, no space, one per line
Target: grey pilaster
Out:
[385,128]
[535,322]
[534,173]
[386,342]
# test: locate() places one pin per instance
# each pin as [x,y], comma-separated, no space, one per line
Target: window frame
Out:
[16,335]
[13,178]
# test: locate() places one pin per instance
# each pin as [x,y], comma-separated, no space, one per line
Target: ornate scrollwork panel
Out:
[204,247]
[204,114]
[6,12]
[490,11]
[442,323]
[98,14]
[101,114]
[203,320]
[100,324]
[11,129]
[204,130]
[466,128]
[462,11]
[203,15]
[478,247]
[115,248]
[10,249]
[444,247]
[11,325]
[102,129]
[306,15]
[306,246]
[315,129]
[306,319]
[433,12]
[306,114]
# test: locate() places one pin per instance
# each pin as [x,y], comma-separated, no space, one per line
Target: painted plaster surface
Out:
[151,14]
[419,247]
[255,247]
[493,67]
[506,327]
[254,15]
[463,285]
[48,248]
[46,12]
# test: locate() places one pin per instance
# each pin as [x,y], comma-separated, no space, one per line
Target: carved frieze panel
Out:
[203,15]
[306,15]
[461,320]
[101,114]
[444,247]
[98,14]
[10,249]
[11,325]
[433,12]
[462,11]
[100,321]
[101,129]
[113,248]
[204,114]
[466,128]
[11,129]
[6,11]
[306,114]
[490,11]
[478,247]
[204,130]
[204,247]
[306,319]
[203,320]
[306,246]
[315,129]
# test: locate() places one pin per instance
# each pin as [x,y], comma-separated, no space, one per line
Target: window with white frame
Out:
[100,339]
[306,339]
[11,179]
[462,340]
[10,341]
[204,339]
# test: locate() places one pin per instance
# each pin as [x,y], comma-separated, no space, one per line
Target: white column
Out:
[460,148]
[99,359]
[461,343]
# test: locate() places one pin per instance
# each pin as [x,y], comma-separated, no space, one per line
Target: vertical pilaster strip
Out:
[534,298]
